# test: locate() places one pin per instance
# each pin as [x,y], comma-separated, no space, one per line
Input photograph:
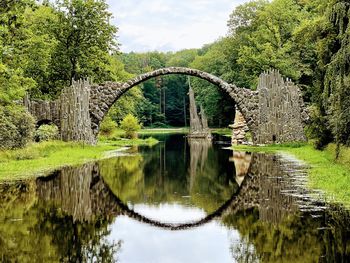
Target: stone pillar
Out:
[195,122]
[75,113]
[240,129]
[198,125]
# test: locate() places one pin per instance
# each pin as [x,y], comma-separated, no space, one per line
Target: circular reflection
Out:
[230,203]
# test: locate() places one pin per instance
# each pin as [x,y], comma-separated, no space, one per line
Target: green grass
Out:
[222,131]
[325,173]
[41,158]
[118,133]
[270,148]
[163,131]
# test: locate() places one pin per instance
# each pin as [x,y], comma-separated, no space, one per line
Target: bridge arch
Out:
[274,113]
[105,95]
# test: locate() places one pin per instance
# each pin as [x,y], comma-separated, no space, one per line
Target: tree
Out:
[268,42]
[38,46]
[130,125]
[337,77]
[13,82]
[214,61]
[315,39]
[244,15]
[85,39]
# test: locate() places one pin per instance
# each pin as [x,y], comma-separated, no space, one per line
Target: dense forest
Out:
[47,44]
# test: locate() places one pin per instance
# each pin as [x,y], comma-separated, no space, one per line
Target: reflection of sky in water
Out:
[145,243]
[170,213]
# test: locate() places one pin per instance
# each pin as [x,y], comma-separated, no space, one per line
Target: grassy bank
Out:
[222,131]
[325,173]
[163,131]
[118,133]
[41,158]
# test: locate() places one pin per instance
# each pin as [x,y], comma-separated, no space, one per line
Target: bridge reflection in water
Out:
[264,199]
[268,193]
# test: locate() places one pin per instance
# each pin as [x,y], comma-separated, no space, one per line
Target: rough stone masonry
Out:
[274,113]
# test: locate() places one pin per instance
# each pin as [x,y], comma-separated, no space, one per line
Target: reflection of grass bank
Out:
[116,141]
[41,158]
[330,175]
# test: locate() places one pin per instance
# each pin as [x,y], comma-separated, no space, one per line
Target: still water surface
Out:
[179,201]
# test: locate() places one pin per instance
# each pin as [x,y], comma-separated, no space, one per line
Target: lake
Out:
[182,200]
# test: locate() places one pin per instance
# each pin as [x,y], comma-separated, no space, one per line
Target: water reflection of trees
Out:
[76,241]
[186,173]
[56,219]
[211,181]
[273,229]
[124,176]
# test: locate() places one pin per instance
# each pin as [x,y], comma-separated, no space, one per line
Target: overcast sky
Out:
[170,25]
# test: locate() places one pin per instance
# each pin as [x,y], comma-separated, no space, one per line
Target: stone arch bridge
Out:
[274,112]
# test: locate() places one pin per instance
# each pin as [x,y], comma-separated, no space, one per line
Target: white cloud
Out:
[170,25]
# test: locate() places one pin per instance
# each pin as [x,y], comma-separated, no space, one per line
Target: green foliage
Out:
[16,127]
[267,42]
[46,133]
[214,61]
[43,46]
[159,125]
[182,58]
[85,38]
[317,130]
[38,47]
[107,126]
[130,125]
[244,15]
[129,103]
[337,76]
[13,82]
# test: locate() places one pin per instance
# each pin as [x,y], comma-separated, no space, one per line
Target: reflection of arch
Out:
[83,194]
[104,96]
[173,226]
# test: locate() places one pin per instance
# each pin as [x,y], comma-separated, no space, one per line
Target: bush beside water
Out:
[130,125]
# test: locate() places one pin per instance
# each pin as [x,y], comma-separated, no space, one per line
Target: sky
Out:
[170,25]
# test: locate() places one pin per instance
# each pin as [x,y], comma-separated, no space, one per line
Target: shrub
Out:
[318,128]
[16,127]
[107,126]
[46,133]
[130,125]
